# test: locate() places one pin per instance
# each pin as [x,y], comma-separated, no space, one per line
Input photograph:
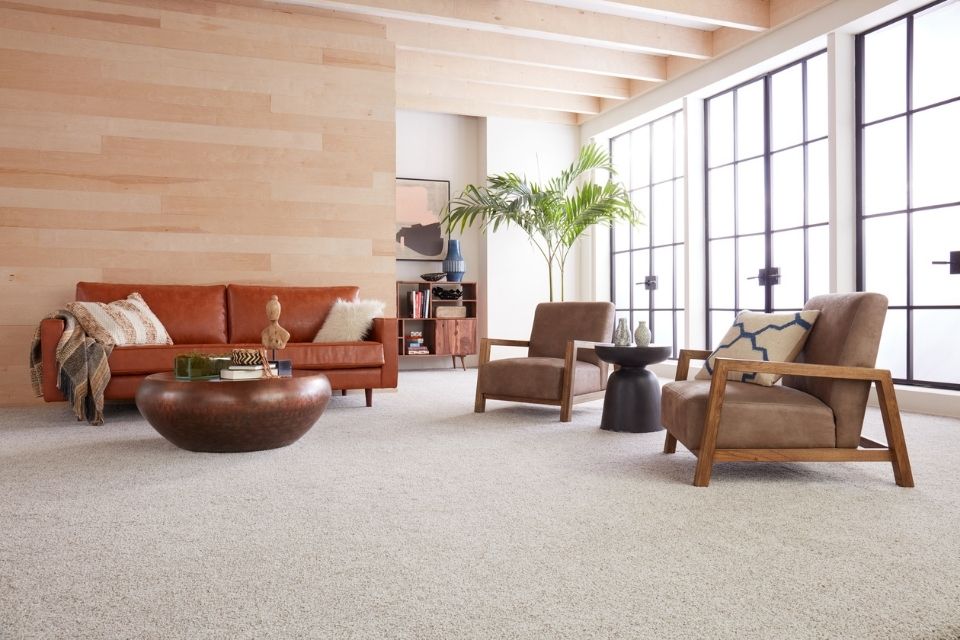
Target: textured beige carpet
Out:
[419,519]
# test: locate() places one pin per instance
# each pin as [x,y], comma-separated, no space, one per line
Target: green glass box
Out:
[199,366]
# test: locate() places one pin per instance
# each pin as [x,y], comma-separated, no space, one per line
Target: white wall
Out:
[516,273]
[436,146]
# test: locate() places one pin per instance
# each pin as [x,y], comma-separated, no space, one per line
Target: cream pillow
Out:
[777,337]
[120,323]
[349,321]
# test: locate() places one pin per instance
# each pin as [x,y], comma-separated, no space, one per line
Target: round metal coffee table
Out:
[632,401]
[233,415]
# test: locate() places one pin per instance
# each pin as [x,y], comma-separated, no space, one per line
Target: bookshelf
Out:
[421,333]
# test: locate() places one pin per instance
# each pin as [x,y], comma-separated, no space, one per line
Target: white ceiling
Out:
[555,60]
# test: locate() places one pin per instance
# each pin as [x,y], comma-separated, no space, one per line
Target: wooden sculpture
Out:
[274,336]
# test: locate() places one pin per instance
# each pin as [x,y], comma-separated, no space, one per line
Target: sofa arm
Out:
[385,332]
[51,329]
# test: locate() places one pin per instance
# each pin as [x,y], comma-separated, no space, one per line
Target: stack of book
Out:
[415,345]
[419,303]
[247,372]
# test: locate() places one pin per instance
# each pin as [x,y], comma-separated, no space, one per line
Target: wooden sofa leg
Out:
[670,444]
[893,427]
[369,394]
[343,392]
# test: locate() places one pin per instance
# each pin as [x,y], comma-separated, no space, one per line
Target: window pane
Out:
[818,261]
[750,197]
[620,154]
[936,349]
[641,269]
[936,155]
[786,188]
[663,269]
[640,158]
[720,204]
[751,260]
[885,167]
[788,256]
[621,280]
[680,203]
[722,274]
[680,151]
[935,234]
[641,232]
[885,72]
[750,120]
[885,257]
[817,97]
[893,344]
[720,130]
[720,321]
[662,214]
[681,333]
[663,149]
[818,183]
[786,107]
[936,49]
[679,272]
[621,236]
[662,333]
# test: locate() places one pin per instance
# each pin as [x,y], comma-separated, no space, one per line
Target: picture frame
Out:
[420,203]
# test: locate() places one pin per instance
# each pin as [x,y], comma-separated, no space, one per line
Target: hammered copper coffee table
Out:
[233,415]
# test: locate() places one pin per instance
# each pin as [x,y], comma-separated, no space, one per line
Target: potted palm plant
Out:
[553,215]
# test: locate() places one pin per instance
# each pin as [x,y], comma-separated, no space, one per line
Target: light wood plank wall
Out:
[188,141]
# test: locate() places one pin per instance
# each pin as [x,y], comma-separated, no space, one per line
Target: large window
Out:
[908,122]
[647,281]
[767,177]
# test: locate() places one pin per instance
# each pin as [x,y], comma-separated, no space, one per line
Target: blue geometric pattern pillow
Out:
[777,337]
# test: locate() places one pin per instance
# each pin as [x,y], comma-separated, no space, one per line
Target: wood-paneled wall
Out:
[188,141]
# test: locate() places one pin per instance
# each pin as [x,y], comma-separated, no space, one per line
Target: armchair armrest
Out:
[724,366]
[683,361]
[384,331]
[486,343]
[51,330]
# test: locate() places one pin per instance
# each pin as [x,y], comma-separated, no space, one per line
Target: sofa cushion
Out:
[127,321]
[752,417]
[190,314]
[349,321]
[145,359]
[302,309]
[540,378]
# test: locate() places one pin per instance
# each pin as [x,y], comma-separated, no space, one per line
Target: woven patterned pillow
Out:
[777,337]
[349,321]
[120,323]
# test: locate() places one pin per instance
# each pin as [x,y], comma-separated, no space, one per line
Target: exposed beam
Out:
[539,21]
[496,46]
[751,15]
[417,85]
[512,75]
[466,107]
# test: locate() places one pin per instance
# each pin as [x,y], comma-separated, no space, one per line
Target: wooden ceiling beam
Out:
[486,45]
[466,107]
[418,85]
[750,15]
[513,75]
[539,21]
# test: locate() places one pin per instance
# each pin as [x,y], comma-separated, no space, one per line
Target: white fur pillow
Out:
[349,321]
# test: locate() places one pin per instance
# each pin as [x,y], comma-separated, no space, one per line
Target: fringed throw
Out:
[82,369]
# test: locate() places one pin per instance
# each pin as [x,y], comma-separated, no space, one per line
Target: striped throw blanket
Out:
[82,369]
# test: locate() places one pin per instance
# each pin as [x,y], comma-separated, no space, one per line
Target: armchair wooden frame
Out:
[567,398]
[869,450]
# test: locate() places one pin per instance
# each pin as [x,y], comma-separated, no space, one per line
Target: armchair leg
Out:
[369,394]
[480,403]
[893,427]
[670,444]
[711,426]
[566,410]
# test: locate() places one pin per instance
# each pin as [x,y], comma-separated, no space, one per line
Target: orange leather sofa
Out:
[219,318]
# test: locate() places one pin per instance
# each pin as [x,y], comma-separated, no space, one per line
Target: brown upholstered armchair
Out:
[816,415]
[560,368]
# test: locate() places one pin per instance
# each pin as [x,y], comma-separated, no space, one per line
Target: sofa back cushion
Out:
[302,309]
[190,314]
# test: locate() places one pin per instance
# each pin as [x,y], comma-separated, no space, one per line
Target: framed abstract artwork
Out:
[419,206]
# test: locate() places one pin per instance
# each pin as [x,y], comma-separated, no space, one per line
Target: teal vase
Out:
[454,264]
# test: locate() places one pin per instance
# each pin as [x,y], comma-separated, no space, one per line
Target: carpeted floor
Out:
[420,519]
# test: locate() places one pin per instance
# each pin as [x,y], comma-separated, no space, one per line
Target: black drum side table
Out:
[632,401]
